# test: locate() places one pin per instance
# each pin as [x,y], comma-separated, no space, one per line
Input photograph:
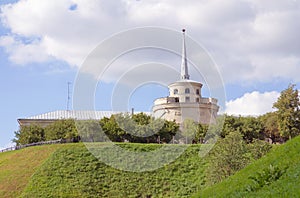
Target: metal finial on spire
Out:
[184,66]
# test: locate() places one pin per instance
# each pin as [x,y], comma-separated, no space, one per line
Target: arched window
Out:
[175,91]
[187,90]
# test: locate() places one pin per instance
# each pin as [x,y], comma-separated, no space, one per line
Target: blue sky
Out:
[43,44]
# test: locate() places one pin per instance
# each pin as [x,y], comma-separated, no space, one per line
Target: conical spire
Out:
[184,66]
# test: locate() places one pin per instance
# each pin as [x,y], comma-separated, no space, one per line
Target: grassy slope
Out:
[16,168]
[73,172]
[288,185]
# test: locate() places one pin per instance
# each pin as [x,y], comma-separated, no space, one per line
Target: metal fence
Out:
[32,144]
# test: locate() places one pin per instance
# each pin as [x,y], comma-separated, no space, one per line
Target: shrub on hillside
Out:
[231,154]
[265,177]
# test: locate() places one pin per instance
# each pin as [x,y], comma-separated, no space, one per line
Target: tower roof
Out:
[184,66]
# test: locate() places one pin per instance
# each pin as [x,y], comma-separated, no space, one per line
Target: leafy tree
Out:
[148,132]
[231,124]
[270,126]
[193,132]
[90,131]
[62,129]
[228,156]
[111,128]
[189,129]
[288,112]
[215,130]
[141,118]
[29,134]
[138,128]
[251,128]
[168,130]
[200,133]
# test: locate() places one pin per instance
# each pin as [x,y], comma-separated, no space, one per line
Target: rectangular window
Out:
[187,99]
[197,100]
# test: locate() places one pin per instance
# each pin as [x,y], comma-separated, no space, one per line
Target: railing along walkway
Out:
[32,144]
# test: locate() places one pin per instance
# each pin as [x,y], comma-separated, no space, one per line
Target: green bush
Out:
[258,149]
[265,177]
[29,134]
[231,154]
[227,157]
[62,129]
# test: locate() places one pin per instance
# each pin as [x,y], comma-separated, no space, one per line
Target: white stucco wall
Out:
[203,110]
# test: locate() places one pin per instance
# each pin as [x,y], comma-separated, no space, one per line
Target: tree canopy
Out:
[140,128]
[278,126]
[288,112]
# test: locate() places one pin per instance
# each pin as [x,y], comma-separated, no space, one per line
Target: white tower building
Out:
[185,100]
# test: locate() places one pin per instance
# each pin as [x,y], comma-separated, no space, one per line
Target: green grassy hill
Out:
[16,168]
[71,171]
[286,159]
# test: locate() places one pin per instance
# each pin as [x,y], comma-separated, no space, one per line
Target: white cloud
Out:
[21,53]
[64,34]
[249,40]
[253,103]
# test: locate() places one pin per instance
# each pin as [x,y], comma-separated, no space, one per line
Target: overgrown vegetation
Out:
[279,170]
[232,154]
